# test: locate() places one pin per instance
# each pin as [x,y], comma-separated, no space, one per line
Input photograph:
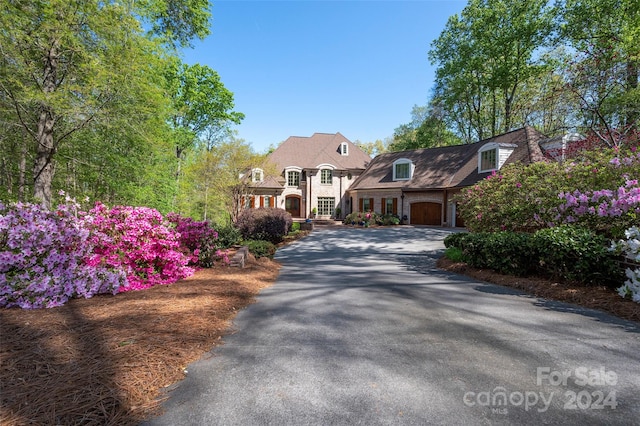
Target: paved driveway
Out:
[361,329]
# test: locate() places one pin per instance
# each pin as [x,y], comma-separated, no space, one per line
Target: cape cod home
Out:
[315,173]
[418,185]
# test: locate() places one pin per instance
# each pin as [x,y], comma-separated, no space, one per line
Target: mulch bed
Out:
[595,297]
[105,360]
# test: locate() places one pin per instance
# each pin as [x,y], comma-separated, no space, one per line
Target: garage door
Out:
[426,214]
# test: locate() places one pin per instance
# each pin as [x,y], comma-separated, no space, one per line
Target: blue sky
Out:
[300,67]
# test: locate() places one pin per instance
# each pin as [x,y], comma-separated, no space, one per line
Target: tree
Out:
[219,179]
[65,64]
[427,129]
[483,58]
[374,148]
[603,75]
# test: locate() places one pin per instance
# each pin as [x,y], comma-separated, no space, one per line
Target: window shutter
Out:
[395,206]
[360,204]
[252,202]
[261,201]
[243,202]
[371,204]
[272,201]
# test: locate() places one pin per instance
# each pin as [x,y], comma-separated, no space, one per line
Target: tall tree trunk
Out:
[43,169]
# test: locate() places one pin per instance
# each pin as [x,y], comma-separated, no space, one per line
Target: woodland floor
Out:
[107,359]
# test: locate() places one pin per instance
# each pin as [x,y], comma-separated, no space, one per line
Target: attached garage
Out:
[426,214]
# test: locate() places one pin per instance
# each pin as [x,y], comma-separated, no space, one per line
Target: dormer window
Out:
[488,160]
[402,169]
[492,156]
[257,175]
[344,148]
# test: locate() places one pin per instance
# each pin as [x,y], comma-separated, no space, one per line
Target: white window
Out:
[344,148]
[293,178]
[488,158]
[257,175]
[326,206]
[402,169]
[326,176]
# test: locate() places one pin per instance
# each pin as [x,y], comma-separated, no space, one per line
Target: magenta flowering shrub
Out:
[44,258]
[198,239]
[137,240]
[598,190]
[607,211]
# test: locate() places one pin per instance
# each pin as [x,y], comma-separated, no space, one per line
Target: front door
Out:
[292,205]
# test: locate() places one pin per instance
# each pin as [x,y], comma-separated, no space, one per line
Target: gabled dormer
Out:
[257,175]
[492,156]
[403,169]
[343,149]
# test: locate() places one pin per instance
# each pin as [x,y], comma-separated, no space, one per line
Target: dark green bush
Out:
[576,254]
[261,248]
[505,252]
[228,235]
[267,224]
[455,240]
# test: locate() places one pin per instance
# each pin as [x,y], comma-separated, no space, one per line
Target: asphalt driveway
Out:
[362,329]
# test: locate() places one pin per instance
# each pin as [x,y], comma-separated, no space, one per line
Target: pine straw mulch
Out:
[105,360]
[594,297]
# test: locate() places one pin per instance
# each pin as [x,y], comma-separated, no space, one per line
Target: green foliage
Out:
[295,226]
[505,252]
[575,253]
[525,198]
[426,130]
[269,224]
[455,240]
[454,254]
[261,248]
[228,235]
[565,252]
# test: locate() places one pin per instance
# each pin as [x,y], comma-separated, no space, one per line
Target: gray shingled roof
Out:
[449,166]
[321,148]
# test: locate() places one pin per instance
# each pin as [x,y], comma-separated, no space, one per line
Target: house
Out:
[315,173]
[418,185]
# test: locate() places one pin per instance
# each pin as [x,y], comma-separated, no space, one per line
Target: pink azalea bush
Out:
[198,239]
[45,258]
[137,240]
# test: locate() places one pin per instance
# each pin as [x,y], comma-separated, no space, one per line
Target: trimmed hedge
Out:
[565,252]
[261,248]
[267,224]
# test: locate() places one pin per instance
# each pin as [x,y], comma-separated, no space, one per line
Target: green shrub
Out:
[228,235]
[504,252]
[261,248]
[576,254]
[267,224]
[526,197]
[295,226]
[455,254]
[455,240]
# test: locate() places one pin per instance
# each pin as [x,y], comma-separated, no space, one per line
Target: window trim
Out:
[323,202]
[296,181]
[330,177]
[344,149]
[400,162]
[485,150]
